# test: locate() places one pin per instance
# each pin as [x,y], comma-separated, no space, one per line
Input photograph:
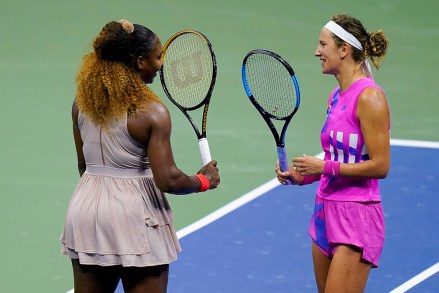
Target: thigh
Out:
[347,272]
[94,279]
[356,224]
[145,279]
[321,264]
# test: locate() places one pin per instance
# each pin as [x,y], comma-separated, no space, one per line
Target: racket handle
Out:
[204,150]
[283,159]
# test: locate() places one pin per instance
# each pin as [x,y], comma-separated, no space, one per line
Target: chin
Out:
[325,71]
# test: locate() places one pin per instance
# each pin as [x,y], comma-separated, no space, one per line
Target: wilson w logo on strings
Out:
[187,70]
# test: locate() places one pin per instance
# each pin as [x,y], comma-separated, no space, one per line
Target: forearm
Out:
[177,182]
[365,169]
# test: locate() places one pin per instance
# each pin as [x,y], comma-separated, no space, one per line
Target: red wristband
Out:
[331,168]
[205,184]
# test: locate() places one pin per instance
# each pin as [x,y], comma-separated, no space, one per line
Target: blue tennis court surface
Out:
[263,246]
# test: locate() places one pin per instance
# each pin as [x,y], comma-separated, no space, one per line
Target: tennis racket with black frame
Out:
[188,77]
[271,85]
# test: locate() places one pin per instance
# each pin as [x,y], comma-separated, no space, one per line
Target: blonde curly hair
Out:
[108,85]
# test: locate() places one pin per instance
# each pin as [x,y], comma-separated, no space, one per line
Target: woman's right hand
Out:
[288,177]
[210,170]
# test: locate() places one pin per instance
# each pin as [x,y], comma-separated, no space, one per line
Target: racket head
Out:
[188,73]
[271,84]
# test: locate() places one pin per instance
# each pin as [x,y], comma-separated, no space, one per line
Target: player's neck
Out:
[346,80]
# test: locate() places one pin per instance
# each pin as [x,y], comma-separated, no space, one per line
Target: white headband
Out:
[340,32]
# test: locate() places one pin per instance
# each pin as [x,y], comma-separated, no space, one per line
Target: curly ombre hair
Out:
[108,85]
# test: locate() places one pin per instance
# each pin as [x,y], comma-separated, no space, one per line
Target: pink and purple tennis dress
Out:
[347,211]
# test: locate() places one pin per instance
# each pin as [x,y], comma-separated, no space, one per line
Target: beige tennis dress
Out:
[117,216]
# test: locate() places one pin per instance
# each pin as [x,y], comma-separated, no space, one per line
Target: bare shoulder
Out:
[373,106]
[372,100]
[372,95]
[155,112]
[154,119]
[159,110]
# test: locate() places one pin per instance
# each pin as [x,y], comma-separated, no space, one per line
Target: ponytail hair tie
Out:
[127,26]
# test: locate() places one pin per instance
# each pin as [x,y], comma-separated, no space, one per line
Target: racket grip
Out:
[283,159]
[204,150]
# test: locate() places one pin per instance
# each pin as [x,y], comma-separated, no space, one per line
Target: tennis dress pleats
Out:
[117,216]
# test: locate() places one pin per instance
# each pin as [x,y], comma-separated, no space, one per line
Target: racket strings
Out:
[188,69]
[271,85]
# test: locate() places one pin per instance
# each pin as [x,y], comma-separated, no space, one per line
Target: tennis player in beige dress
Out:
[118,224]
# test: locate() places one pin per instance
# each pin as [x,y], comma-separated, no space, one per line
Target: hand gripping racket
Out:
[188,77]
[272,87]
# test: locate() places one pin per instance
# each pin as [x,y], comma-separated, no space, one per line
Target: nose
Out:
[317,53]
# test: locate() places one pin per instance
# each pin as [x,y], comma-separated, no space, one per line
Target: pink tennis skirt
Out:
[355,224]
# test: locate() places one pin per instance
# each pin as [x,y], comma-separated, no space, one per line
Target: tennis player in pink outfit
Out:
[347,227]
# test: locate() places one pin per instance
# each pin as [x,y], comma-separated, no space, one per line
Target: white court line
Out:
[414,143]
[417,279]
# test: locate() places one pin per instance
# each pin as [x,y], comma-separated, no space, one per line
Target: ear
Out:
[344,50]
[140,62]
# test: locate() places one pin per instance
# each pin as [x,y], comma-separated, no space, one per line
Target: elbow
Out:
[382,176]
[164,180]
[382,172]
[165,185]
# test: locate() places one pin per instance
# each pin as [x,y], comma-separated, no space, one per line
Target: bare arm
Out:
[78,140]
[167,176]
[373,113]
